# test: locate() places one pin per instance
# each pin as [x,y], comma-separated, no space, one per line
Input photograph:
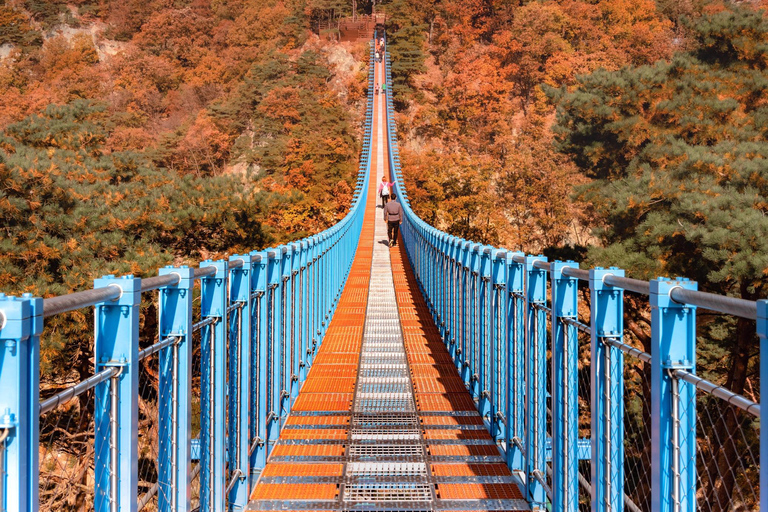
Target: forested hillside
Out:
[614,132]
[135,134]
[141,133]
[634,128]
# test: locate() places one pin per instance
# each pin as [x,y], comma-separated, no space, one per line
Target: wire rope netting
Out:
[66,450]
[637,434]
[584,379]
[149,431]
[194,406]
[727,455]
[67,428]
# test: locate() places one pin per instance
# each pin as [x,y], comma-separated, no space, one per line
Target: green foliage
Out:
[71,213]
[405,44]
[733,36]
[15,28]
[678,156]
[299,140]
[48,13]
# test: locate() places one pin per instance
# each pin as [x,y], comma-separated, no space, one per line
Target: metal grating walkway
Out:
[383,421]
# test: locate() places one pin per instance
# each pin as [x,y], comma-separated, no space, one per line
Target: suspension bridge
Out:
[337,373]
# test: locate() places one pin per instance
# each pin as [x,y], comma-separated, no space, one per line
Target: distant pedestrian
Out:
[385,188]
[393,215]
[378,59]
[384,89]
[381,43]
[376,89]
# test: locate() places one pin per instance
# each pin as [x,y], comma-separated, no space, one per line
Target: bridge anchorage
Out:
[336,373]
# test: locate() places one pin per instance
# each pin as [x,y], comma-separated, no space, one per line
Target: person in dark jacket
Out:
[393,215]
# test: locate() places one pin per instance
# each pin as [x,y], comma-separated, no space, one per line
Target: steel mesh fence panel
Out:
[149,433]
[585,413]
[194,405]
[727,456]
[637,433]
[66,456]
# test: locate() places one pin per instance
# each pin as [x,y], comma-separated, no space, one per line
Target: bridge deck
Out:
[383,420]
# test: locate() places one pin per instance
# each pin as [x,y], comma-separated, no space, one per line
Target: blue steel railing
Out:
[263,316]
[500,313]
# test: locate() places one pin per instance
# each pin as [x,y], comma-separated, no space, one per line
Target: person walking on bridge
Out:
[385,188]
[393,215]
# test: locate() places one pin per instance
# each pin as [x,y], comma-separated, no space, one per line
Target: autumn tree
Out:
[677,153]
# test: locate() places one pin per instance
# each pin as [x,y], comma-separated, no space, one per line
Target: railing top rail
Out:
[77,300]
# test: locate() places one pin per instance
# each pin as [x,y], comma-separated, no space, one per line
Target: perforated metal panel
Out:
[394,491]
[386,469]
[393,420]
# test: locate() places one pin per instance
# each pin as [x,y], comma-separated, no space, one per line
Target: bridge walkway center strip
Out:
[382,422]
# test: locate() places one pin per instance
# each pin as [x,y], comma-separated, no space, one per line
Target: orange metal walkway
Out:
[307,470]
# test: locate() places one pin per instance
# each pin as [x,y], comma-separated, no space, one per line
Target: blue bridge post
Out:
[536,380]
[466,308]
[175,390]
[515,339]
[274,354]
[485,332]
[762,332]
[499,368]
[474,318]
[311,292]
[306,335]
[213,307]
[239,379]
[285,343]
[116,412]
[453,316]
[259,353]
[323,287]
[21,323]
[607,323]
[296,310]
[444,281]
[673,401]
[565,397]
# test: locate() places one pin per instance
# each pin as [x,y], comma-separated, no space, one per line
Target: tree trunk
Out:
[431,28]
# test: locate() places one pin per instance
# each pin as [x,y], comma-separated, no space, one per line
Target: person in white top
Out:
[385,189]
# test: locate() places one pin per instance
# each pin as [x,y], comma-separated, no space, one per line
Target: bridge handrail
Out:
[253,308]
[462,280]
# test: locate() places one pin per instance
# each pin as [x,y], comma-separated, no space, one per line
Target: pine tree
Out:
[679,161]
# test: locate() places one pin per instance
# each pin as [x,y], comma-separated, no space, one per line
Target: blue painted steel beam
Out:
[21,324]
[274,353]
[762,332]
[305,333]
[536,380]
[607,322]
[673,401]
[499,357]
[565,396]
[116,410]
[259,355]
[484,330]
[240,291]
[515,336]
[175,391]
[583,451]
[213,305]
